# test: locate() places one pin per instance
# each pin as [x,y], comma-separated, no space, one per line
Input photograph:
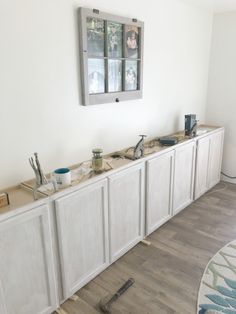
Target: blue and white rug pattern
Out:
[217,293]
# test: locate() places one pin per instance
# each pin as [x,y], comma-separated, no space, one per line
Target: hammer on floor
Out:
[105,306]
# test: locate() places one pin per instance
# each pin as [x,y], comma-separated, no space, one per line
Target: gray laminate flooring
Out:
[168,272]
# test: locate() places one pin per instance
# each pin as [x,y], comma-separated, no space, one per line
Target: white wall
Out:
[221,108]
[40,81]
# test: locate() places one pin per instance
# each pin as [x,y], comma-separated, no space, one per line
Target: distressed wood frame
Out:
[108,97]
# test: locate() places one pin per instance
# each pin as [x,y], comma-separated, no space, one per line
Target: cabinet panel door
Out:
[82,230]
[27,281]
[215,159]
[202,163]
[183,176]
[159,190]
[126,210]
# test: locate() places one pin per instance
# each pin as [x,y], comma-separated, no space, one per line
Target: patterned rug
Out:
[217,293]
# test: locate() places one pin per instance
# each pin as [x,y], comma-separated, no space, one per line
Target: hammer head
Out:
[104,305]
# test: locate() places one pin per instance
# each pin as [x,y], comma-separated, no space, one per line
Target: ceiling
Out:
[216,6]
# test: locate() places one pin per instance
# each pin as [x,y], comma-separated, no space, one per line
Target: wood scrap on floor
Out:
[146,242]
[74,298]
[61,311]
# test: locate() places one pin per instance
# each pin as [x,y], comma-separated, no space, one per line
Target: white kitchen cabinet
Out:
[27,283]
[215,158]
[202,164]
[208,162]
[126,209]
[82,224]
[183,176]
[159,182]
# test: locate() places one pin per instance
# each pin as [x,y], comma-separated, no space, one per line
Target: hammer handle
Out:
[106,307]
[125,286]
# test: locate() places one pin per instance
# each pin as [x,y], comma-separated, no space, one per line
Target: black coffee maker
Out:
[190,125]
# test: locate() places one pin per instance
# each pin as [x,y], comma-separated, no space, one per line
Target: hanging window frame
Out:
[131,78]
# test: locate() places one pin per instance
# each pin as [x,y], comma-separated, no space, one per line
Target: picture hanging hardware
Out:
[96,11]
[134,20]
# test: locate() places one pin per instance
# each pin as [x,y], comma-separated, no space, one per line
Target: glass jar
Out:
[97,160]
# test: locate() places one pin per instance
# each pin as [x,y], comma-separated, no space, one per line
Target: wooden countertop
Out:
[21,196]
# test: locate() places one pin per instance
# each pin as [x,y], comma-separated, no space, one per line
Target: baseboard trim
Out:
[225,179]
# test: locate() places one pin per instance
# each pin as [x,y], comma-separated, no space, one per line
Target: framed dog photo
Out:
[114,76]
[96,76]
[95,37]
[131,75]
[114,39]
[131,41]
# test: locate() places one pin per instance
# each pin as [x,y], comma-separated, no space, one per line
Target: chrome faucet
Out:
[139,148]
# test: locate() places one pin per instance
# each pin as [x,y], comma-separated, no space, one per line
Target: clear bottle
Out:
[97,160]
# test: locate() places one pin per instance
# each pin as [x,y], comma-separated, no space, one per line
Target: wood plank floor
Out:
[167,274]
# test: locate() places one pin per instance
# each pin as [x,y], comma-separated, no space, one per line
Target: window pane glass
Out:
[131,75]
[131,41]
[114,75]
[96,76]
[114,39]
[95,37]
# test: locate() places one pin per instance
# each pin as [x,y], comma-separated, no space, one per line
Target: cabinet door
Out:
[27,283]
[215,158]
[126,210]
[159,191]
[202,163]
[82,231]
[183,176]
